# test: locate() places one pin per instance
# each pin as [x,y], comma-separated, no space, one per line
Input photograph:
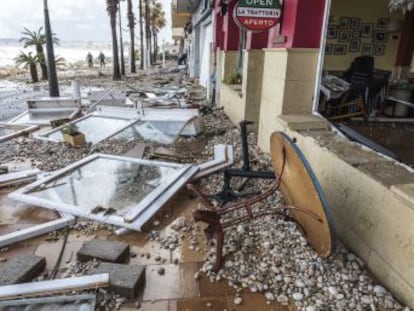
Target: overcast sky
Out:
[72,20]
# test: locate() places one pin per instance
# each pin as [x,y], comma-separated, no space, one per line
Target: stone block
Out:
[109,251]
[125,280]
[21,269]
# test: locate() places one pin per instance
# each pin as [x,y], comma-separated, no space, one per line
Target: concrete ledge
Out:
[303,122]
[405,191]
[372,201]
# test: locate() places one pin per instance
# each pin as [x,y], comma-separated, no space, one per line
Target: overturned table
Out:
[305,202]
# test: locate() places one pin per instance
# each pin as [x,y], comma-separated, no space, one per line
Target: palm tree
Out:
[158,22]
[131,25]
[28,61]
[148,27]
[38,39]
[121,42]
[112,8]
[51,66]
[141,35]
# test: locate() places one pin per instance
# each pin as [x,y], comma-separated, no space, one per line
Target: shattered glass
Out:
[65,303]
[157,131]
[110,184]
[94,128]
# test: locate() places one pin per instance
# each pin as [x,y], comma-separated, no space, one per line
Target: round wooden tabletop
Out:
[301,189]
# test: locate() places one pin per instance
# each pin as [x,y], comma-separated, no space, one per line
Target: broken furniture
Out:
[305,202]
[41,111]
[84,302]
[9,131]
[54,286]
[227,194]
[130,191]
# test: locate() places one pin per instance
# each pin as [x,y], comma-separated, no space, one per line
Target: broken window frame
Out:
[74,111]
[191,117]
[86,298]
[21,130]
[133,219]
[132,121]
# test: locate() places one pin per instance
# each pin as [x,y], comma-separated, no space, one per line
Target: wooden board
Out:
[301,188]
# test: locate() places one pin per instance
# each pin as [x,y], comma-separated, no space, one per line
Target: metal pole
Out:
[51,66]
[245,145]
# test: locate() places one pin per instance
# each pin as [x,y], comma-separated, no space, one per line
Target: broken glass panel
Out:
[164,132]
[116,190]
[106,184]
[62,303]
[95,128]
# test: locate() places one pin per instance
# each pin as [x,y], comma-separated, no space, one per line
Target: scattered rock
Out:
[161,271]
[238,300]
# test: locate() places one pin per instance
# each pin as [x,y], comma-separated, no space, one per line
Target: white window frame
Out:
[321,58]
[72,112]
[136,217]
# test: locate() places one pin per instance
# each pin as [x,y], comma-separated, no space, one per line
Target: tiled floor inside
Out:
[176,290]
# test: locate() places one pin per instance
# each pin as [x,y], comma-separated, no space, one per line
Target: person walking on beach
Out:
[89,60]
[101,58]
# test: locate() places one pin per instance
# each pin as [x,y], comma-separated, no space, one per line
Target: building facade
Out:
[280,71]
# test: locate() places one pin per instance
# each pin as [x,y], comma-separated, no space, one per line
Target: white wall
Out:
[202,40]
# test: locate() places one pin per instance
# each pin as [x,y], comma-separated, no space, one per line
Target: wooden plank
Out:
[55,286]
[28,233]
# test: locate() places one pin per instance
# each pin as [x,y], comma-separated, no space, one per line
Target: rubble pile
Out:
[268,255]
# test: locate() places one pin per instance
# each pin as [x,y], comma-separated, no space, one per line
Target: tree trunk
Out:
[53,81]
[141,36]
[121,43]
[131,25]
[154,34]
[148,28]
[116,74]
[42,58]
[33,73]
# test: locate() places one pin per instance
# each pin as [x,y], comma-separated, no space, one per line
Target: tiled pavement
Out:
[176,290]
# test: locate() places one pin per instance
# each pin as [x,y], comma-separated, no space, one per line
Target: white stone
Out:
[297,296]
[365,299]
[238,300]
[282,299]
[310,308]
[333,291]
[269,296]
[379,290]
[299,283]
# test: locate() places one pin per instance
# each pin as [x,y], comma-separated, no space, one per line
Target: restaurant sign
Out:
[257,15]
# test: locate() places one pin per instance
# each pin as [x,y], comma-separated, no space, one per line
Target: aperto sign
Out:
[257,15]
